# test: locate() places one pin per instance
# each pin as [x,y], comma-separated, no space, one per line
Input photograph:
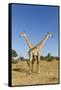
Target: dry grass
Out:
[48,73]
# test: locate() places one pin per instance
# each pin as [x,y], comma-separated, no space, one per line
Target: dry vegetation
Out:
[48,73]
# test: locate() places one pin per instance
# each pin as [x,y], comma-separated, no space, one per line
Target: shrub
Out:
[14,61]
[49,57]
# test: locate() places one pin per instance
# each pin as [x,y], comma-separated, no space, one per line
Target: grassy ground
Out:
[48,73]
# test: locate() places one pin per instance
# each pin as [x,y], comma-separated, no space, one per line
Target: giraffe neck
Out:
[28,42]
[41,44]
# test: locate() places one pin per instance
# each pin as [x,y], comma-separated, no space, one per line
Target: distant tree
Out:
[49,55]
[41,57]
[49,58]
[14,53]
[57,58]
[22,58]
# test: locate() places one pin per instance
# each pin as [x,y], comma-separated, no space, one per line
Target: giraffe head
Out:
[23,34]
[49,34]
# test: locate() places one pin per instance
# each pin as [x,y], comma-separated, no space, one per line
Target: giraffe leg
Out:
[38,63]
[30,64]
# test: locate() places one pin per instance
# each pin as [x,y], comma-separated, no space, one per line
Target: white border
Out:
[4,43]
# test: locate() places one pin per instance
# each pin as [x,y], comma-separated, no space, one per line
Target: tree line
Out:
[49,57]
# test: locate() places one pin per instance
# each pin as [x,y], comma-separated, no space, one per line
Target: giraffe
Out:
[34,51]
[23,34]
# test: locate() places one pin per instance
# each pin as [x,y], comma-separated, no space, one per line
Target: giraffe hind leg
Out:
[38,64]
[33,65]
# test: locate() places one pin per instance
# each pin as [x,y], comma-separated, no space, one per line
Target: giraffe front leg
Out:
[38,63]
[30,64]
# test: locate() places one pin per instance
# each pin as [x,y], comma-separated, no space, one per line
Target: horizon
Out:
[28,58]
[36,21]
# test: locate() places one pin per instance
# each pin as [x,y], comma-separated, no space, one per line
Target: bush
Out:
[14,61]
[49,59]
[14,53]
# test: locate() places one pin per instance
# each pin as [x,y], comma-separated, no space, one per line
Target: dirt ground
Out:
[48,73]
